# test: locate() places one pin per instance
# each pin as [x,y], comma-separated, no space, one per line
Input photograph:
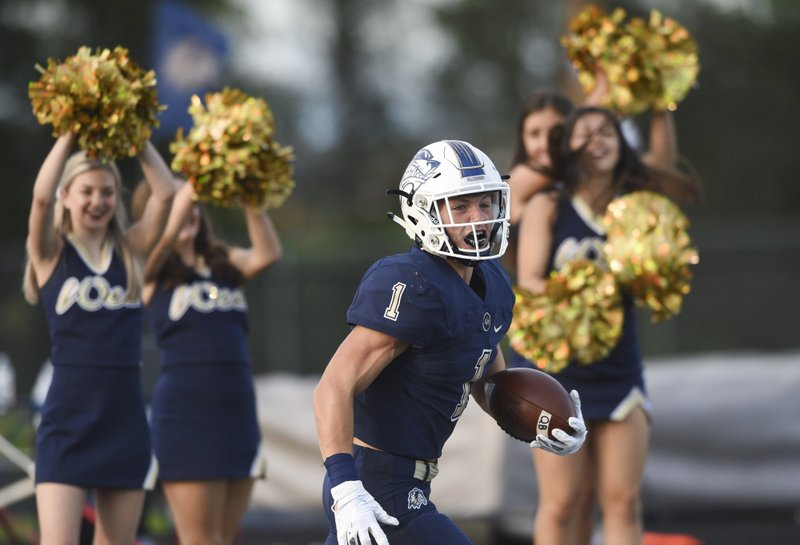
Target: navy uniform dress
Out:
[612,387]
[93,431]
[412,407]
[204,410]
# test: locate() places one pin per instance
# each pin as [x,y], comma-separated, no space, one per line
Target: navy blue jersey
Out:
[412,406]
[574,237]
[90,320]
[204,321]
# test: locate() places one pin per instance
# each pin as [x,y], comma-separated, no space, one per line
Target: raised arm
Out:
[43,243]
[663,151]
[144,234]
[598,94]
[525,182]
[535,238]
[265,247]
[180,211]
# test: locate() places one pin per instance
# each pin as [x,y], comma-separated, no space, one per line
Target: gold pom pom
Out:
[649,251]
[230,155]
[104,97]
[649,64]
[578,317]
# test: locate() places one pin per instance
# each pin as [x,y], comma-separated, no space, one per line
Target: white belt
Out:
[425,470]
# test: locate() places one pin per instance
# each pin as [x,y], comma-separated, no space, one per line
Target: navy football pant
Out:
[390,480]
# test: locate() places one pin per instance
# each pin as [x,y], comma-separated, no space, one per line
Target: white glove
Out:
[566,444]
[357,515]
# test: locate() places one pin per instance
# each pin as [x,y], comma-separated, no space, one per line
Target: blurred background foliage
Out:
[373,82]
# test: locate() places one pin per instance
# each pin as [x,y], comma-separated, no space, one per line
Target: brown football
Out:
[526,403]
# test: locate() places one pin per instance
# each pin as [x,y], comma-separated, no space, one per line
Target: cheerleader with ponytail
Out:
[84,266]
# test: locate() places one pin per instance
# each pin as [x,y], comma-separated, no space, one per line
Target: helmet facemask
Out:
[476,240]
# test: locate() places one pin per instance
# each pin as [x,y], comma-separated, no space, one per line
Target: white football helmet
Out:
[441,171]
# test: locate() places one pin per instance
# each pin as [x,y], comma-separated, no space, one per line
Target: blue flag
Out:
[189,54]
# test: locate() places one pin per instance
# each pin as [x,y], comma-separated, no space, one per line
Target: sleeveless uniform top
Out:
[204,321]
[413,405]
[575,238]
[89,318]
[93,431]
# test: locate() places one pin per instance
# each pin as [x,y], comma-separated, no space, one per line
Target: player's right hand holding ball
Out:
[566,444]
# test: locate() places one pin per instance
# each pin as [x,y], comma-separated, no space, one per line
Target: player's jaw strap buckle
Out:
[425,470]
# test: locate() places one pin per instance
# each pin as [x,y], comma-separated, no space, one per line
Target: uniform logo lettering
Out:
[570,249]
[91,294]
[543,425]
[204,297]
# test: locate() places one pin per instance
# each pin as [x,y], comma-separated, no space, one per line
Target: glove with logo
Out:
[357,515]
[566,444]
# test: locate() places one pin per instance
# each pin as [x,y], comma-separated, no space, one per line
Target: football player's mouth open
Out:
[478,239]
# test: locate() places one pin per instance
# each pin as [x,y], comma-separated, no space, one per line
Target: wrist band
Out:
[341,467]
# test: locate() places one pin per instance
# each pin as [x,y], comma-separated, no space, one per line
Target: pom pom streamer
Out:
[108,101]
[230,155]
[649,64]
[578,317]
[649,251]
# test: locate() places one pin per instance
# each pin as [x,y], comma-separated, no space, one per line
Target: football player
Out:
[425,331]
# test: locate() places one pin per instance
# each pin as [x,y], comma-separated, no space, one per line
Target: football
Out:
[527,403]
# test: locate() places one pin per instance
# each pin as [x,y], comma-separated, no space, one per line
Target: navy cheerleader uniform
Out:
[612,387]
[93,431]
[413,405]
[204,418]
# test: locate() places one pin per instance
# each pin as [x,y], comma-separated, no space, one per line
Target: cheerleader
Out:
[204,422]
[596,164]
[83,264]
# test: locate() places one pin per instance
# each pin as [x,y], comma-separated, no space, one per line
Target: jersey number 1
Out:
[392,311]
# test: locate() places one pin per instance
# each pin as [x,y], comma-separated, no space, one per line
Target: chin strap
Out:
[409,196]
[399,220]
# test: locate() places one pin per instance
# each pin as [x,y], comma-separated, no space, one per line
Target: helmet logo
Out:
[469,162]
[423,166]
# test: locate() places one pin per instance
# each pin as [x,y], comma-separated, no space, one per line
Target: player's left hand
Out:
[358,516]
[566,444]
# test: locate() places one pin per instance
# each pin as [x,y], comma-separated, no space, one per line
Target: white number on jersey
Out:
[467,386]
[392,311]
